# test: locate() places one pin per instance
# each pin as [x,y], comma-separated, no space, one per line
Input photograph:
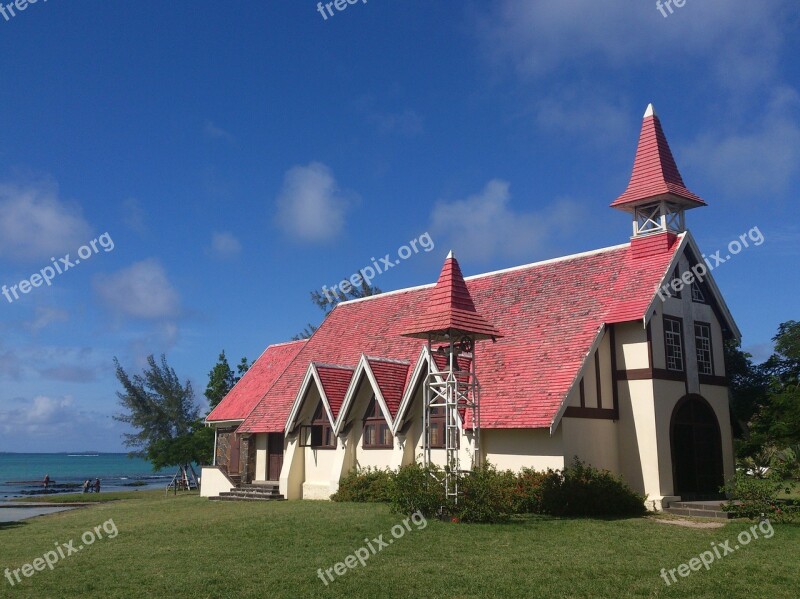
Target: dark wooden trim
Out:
[710,346]
[712,379]
[598,382]
[582,393]
[595,413]
[664,318]
[649,332]
[643,374]
[612,342]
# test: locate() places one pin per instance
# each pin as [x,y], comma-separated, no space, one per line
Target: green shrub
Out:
[486,495]
[416,488]
[528,492]
[758,498]
[369,485]
[581,490]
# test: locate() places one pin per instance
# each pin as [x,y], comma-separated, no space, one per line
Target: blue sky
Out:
[241,154]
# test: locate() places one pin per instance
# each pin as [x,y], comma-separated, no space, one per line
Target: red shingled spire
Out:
[450,310]
[655,174]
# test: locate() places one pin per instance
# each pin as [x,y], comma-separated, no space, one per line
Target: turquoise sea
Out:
[21,474]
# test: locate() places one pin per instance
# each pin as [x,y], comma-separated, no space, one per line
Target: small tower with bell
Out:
[656,196]
[452,327]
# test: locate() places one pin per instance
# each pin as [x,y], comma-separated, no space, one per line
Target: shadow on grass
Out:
[10,525]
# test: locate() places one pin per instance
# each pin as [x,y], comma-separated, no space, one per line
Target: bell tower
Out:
[656,196]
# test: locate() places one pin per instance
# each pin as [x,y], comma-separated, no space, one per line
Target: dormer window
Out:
[320,434]
[697,293]
[377,434]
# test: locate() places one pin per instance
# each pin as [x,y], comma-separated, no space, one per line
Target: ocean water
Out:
[22,473]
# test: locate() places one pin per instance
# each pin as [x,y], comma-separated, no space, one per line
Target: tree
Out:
[777,422]
[748,386]
[328,299]
[221,380]
[242,367]
[163,411]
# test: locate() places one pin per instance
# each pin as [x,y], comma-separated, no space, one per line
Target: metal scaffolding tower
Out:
[455,391]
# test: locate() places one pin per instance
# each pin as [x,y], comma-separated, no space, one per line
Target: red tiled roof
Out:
[549,312]
[450,308]
[654,170]
[335,380]
[391,377]
[244,396]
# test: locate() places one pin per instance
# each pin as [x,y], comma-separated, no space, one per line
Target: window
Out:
[702,340]
[697,293]
[377,434]
[437,426]
[320,434]
[674,344]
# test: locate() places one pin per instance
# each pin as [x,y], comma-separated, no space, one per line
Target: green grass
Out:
[97,497]
[187,546]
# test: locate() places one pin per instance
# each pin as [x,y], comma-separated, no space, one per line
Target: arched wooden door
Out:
[696,449]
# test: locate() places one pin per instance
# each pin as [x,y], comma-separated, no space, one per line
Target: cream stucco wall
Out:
[514,449]
[261,457]
[213,482]
[593,441]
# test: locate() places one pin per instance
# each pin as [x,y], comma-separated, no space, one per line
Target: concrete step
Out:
[247,494]
[698,509]
[240,498]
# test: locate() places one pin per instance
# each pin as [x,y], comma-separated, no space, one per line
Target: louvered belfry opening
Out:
[453,328]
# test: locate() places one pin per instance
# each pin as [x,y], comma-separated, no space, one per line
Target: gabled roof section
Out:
[333,376]
[244,396]
[391,376]
[334,380]
[450,309]
[655,173]
[550,313]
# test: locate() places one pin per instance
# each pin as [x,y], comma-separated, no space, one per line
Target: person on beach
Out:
[86,486]
[97,485]
[46,481]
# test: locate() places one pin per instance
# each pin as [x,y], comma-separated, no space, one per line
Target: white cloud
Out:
[582,112]
[142,290]
[311,207]
[407,123]
[225,245]
[211,131]
[764,159]
[45,316]
[35,224]
[134,215]
[484,226]
[740,41]
[40,415]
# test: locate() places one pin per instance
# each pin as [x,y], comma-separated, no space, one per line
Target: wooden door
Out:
[274,456]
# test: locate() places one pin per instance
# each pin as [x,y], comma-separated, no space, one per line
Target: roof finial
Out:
[650,111]
[450,255]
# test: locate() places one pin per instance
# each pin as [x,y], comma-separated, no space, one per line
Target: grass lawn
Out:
[187,546]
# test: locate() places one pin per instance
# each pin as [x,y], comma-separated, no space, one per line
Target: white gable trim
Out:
[420,370]
[688,240]
[312,375]
[598,339]
[362,370]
